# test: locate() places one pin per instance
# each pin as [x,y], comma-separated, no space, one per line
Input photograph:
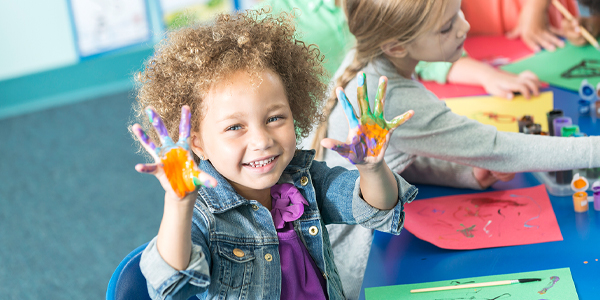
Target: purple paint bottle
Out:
[596,189]
[559,123]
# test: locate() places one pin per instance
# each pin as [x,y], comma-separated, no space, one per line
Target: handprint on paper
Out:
[173,162]
[368,135]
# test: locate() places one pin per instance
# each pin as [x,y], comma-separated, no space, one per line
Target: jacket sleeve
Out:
[165,282]
[340,201]
[428,170]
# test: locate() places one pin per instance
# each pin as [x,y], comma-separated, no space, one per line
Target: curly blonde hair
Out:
[190,60]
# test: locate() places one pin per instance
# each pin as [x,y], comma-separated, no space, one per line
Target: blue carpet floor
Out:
[71,204]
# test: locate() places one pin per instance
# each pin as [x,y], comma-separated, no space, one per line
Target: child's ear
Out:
[196,145]
[394,49]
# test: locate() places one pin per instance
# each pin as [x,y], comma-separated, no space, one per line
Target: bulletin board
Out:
[102,26]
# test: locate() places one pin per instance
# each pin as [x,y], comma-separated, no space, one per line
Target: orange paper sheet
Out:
[502,113]
[484,220]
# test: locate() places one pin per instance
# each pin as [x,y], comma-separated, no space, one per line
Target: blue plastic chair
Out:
[127,282]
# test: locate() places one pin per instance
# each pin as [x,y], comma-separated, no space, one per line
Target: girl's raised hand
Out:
[369,135]
[173,166]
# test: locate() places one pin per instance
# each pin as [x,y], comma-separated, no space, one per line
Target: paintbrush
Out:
[475,285]
[586,34]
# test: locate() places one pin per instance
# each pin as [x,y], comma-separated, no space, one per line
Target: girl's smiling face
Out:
[247,132]
[445,42]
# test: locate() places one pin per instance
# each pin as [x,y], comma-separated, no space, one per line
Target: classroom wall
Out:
[35,35]
[39,64]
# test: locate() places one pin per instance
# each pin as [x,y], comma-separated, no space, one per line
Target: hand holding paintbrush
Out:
[578,29]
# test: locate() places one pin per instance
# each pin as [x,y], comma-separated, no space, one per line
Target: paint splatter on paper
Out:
[484,220]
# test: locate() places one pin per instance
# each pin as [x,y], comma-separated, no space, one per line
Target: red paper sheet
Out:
[493,50]
[484,220]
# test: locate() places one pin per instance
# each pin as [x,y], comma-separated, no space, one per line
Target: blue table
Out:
[405,259]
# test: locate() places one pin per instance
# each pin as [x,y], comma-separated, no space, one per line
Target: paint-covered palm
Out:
[369,134]
[173,164]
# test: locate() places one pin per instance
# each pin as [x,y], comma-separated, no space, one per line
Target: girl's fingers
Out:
[553,39]
[159,126]
[184,124]
[533,86]
[348,109]
[204,179]
[361,94]
[519,87]
[545,44]
[330,143]
[401,119]
[145,140]
[147,168]
[380,97]
[531,44]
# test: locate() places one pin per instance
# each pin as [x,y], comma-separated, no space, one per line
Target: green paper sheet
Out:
[550,65]
[563,288]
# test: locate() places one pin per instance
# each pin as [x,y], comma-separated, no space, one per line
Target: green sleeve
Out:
[434,71]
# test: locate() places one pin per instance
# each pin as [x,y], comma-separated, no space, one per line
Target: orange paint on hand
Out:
[179,168]
[374,131]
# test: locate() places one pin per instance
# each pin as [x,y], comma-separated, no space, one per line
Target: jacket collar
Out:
[223,197]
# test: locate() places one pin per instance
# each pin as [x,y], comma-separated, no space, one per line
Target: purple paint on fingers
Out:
[157,123]
[145,139]
[148,169]
[355,152]
[184,125]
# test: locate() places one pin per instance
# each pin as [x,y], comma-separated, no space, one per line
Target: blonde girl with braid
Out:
[437,146]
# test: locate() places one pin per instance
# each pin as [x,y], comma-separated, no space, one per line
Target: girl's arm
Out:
[366,144]
[467,70]
[174,236]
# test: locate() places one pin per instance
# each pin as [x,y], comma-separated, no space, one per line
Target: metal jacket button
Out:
[268,257]
[313,230]
[304,180]
[255,207]
[238,252]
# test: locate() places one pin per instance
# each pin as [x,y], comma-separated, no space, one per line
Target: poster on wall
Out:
[106,25]
[178,13]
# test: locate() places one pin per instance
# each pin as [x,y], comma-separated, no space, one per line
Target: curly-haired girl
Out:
[249,222]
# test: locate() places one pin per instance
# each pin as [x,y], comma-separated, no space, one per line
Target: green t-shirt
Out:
[322,23]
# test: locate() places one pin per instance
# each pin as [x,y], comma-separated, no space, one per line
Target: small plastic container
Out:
[554,188]
[596,189]
[579,185]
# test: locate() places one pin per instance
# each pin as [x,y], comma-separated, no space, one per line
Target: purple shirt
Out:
[300,276]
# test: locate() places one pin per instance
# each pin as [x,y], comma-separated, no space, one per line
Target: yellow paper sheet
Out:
[502,113]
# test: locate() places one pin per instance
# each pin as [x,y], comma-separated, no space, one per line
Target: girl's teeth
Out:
[261,163]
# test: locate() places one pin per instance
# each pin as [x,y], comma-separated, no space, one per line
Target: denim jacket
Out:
[235,246]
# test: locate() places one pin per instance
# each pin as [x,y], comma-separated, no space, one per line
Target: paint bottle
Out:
[579,185]
[525,121]
[583,106]
[560,122]
[569,130]
[532,128]
[587,91]
[596,189]
[551,115]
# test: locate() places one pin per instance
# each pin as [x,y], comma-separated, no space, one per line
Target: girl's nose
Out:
[463,26]
[261,139]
